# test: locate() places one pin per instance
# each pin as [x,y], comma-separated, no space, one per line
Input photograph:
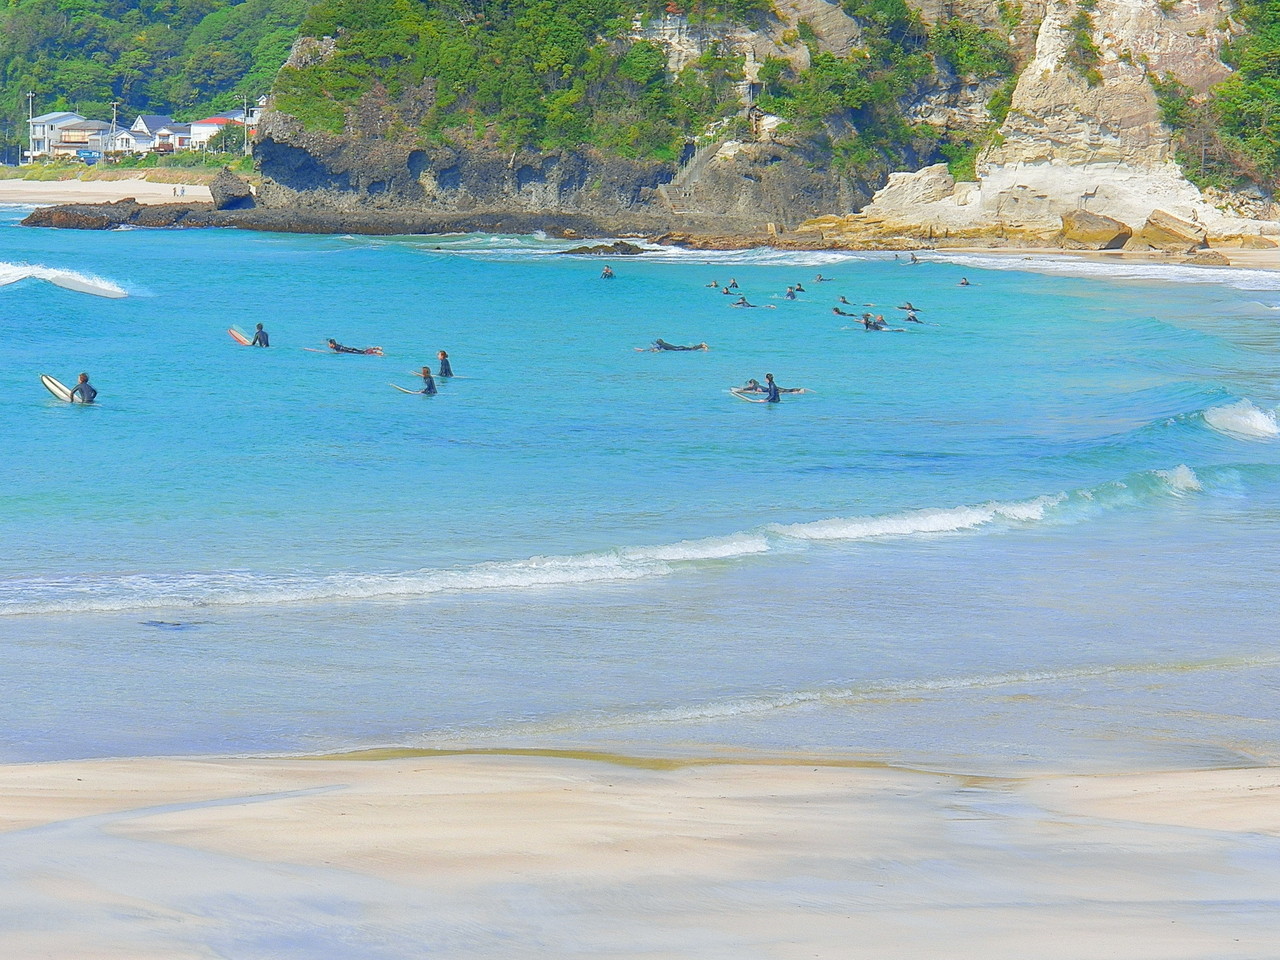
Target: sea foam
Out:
[69,279]
[106,593]
[1243,419]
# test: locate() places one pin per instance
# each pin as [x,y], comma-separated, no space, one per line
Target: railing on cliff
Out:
[678,194]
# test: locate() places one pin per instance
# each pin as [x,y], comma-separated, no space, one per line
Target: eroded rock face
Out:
[1058,115]
[229,192]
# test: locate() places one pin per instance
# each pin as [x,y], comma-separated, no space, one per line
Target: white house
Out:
[202,131]
[173,136]
[45,131]
[132,141]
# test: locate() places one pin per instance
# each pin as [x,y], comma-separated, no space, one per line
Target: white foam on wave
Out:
[69,279]
[1243,420]
[918,522]
[108,594]
[1067,266]
[139,592]
[1181,479]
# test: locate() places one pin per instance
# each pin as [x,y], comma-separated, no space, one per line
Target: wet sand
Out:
[473,856]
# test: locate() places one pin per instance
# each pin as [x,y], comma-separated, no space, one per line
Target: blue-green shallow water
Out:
[1038,532]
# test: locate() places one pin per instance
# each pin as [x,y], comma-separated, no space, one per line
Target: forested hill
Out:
[179,57]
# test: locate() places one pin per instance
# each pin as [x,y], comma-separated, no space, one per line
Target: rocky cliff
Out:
[1080,157]
[1083,136]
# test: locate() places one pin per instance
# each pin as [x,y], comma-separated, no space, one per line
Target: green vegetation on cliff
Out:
[545,73]
[1231,136]
[148,56]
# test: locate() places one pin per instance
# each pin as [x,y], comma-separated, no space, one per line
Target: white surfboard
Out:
[742,396]
[56,387]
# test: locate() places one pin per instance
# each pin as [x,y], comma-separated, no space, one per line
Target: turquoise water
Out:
[1036,532]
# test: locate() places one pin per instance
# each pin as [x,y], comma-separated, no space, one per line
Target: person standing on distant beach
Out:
[260,338]
[445,369]
[84,389]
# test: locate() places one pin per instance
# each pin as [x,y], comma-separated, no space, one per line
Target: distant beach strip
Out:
[40,192]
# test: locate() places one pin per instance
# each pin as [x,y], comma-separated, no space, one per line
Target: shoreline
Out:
[42,192]
[606,857]
[102,205]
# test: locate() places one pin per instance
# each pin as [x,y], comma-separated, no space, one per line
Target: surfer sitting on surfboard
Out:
[84,389]
[336,347]
[428,383]
[445,369]
[260,338]
[754,386]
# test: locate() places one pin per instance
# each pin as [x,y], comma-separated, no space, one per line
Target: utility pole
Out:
[111,137]
[31,114]
[245,100]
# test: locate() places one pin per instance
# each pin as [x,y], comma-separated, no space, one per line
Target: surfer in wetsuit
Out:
[445,369]
[771,389]
[791,293]
[606,273]
[260,338]
[842,313]
[336,347]
[84,389]
[428,383]
[754,386]
[661,344]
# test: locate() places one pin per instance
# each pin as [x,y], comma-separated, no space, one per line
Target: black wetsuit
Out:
[429,387]
[341,349]
[87,393]
[445,369]
[772,389]
[260,339]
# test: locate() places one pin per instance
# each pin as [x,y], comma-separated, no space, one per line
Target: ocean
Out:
[1034,533]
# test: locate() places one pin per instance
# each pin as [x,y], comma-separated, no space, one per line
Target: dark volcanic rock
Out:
[230,192]
[128,212]
[619,248]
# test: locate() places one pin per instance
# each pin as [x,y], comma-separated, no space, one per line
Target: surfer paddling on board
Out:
[260,338]
[661,344]
[336,347]
[84,389]
[445,369]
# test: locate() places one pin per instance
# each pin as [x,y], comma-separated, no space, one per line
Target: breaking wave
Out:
[108,593]
[1243,419]
[68,279]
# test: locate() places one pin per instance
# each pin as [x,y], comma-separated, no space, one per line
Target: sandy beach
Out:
[98,191]
[545,856]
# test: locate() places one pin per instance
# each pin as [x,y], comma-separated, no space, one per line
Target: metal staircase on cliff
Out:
[678,194]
